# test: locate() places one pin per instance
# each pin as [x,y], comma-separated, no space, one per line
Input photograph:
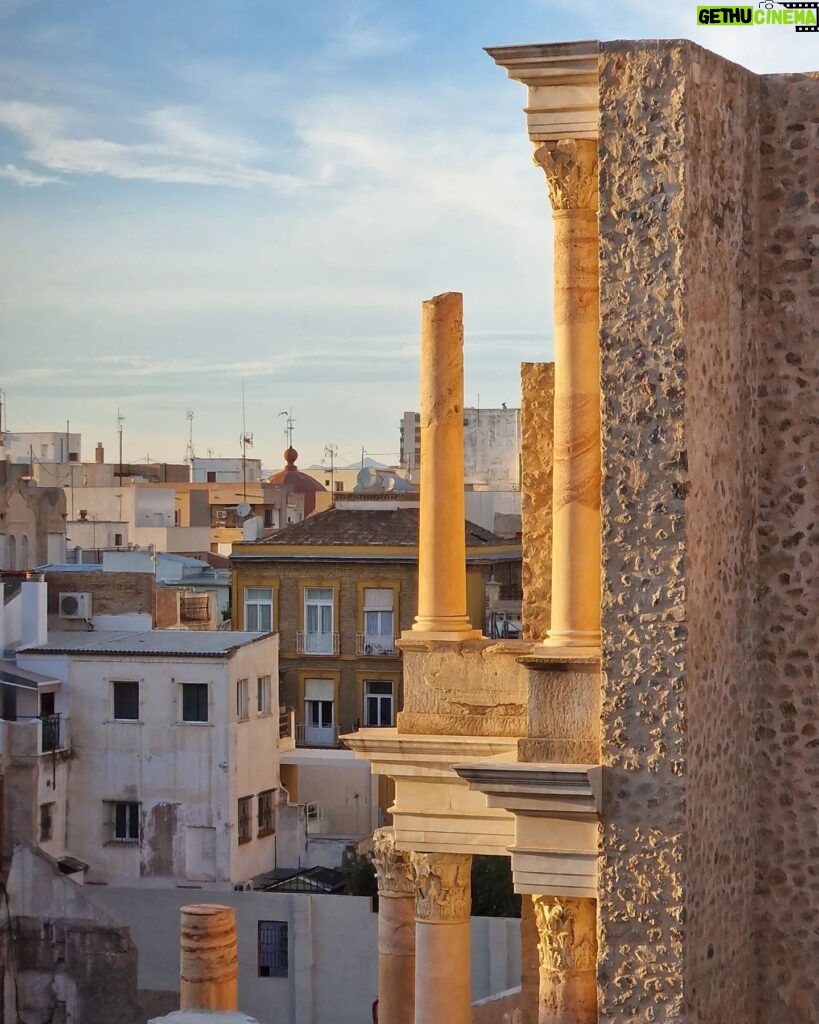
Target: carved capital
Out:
[391,866]
[571,172]
[567,933]
[442,886]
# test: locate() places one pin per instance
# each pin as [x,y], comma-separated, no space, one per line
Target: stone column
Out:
[208,963]
[441,542]
[443,960]
[567,950]
[396,931]
[571,174]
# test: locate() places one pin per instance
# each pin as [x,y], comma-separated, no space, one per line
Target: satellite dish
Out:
[243,509]
[367,479]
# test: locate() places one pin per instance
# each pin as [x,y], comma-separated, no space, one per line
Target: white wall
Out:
[184,775]
[333,951]
[226,470]
[492,447]
[45,446]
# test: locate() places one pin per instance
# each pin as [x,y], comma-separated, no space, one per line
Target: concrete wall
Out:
[332,946]
[492,447]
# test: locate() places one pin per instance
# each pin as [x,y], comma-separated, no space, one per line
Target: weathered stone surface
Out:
[564,717]
[787,706]
[678,283]
[537,383]
[471,689]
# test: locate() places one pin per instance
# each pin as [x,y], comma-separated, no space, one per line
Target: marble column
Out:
[441,542]
[571,175]
[396,931]
[208,967]
[443,959]
[567,951]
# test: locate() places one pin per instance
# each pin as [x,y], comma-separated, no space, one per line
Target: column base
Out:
[442,628]
[586,639]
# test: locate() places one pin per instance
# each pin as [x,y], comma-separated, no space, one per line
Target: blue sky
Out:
[200,193]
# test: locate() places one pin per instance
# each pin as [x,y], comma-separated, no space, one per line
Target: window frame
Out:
[264,696]
[46,817]
[244,828]
[131,811]
[265,813]
[272,938]
[379,698]
[257,604]
[242,700]
[194,721]
[125,682]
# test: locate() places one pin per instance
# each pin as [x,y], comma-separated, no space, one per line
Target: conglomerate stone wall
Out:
[787,726]
[537,388]
[677,201]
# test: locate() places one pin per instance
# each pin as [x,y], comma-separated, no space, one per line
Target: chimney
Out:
[208,968]
[99,454]
[34,611]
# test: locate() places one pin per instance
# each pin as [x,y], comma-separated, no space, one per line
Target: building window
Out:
[126,700]
[177,517]
[194,702]
[378,704]
[269,518]
[318,620]
[264,813]
[211,476]
[259,609]
[272,949]
[242,699]
[379,624]
[46,822]
[263,702]
[319,724]
[123,820]
[245,819]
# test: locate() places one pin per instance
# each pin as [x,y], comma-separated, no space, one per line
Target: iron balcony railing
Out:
[374,645]
[316,735]
[325,644]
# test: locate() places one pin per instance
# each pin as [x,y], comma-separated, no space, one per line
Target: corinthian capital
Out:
[566,929]
[571,172]
[391,866]
[442,886]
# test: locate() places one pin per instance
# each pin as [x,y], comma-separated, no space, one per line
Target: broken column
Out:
[571,174]
[208,963]
[567,951]
[396,931]
[442,542]
[443,955]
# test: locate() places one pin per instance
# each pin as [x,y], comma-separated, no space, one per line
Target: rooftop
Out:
[395,527]
[149,643]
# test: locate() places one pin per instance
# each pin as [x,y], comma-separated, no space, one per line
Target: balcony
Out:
[316,735]
[323,644]
[287,729]
[33,736]
[375,645]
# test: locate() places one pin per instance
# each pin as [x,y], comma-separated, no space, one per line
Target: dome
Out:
[297,482]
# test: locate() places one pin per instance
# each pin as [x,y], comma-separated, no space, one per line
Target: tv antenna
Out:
[189,454]
[246,441]
[331,451]
[288,426]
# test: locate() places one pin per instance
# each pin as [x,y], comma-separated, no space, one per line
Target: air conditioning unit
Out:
[74,606]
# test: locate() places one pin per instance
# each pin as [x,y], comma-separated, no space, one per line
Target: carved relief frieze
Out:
[571,172]
[442,886]
[391,866]
[566,933]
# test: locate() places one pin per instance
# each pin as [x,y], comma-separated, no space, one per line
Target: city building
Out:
[32,521]
[647,759]
[225,471]
[40,446]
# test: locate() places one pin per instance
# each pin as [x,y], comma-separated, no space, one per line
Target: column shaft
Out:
[396,930]
[571,171]
[208,961]
[441,542]
[443,957]
[567,949]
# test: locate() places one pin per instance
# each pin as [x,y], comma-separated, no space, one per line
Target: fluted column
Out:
[567,951]
[396,930]
[571,174]
[441,542]
[443,958]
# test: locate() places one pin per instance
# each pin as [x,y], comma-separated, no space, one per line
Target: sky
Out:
[201,196]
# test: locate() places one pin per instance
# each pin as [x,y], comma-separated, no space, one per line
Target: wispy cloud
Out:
[361,35]
[179,150]
[28,179]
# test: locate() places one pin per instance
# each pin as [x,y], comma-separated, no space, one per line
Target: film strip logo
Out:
[804,7]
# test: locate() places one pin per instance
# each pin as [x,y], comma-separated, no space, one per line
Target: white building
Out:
[491,447]
[40,446]
[155,752]
[226,471]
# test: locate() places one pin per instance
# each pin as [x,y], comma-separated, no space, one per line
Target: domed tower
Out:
[293,481]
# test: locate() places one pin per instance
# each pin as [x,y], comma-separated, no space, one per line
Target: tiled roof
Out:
[396,527]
